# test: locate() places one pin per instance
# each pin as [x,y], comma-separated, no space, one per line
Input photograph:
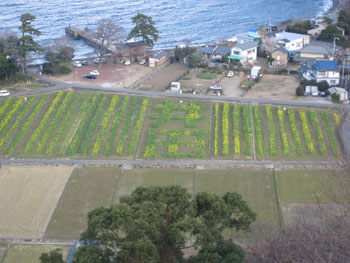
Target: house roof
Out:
[159,54]
[247,45]
[289,36]
[317,49]
[217,50]
[281,49]
[133,44]
[223,49]
[325,65]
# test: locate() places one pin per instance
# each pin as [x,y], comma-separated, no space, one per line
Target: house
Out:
[280,58]
[322,70]
[245,53]
[319,25]
[250,36]
[158,58]
[216,53]
[314,51]
[133,51]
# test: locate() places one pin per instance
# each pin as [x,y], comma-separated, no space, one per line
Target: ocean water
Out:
[201,21]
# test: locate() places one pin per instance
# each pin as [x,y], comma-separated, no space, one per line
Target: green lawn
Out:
[88,188]
[207,75]
[32,253]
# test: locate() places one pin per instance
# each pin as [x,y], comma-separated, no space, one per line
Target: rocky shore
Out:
[336,7]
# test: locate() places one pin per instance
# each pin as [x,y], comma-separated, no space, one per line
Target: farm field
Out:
[87,189]
[28,198]
[32,253]
[100,125]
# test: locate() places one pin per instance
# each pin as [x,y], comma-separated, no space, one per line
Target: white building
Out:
[245,53]
[322,70]
[290,41]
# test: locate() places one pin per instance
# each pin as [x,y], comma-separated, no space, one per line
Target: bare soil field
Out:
[111,75]
[161,79]
[28,198]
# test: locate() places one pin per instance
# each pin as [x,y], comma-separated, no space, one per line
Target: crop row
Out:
[306,131]
[48,134]
[105,122]
[126,126]
[115,125]
[329,130]
[247,129]
[19,117]
[12,112]
[295,132]
[5,107]
[319,135]
[336,119]
[280,113]
[225,121]
[35,136]
[236,112]
[216,129]
[63,125]
[258,131]
[270,120]
[137,127]
[25,126]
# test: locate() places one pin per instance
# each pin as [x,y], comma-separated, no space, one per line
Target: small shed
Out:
[343,94]
[158,58]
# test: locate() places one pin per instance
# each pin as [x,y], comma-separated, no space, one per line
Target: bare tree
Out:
[107,34]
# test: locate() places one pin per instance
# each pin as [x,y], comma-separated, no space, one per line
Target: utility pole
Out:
[334,39]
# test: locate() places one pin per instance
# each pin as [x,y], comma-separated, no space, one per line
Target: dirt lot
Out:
[28,198]
[161,79]
[111,75]
[274,87]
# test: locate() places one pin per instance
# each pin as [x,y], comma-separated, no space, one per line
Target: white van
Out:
[76,64]
[4,93]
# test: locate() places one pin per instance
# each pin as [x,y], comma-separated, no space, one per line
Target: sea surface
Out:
[200,21]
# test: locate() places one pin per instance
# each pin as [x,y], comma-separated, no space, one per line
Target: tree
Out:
[107,33]
[27,43]
[145,29]
[195,61]
[330,33]
[52,257]
[300,28]
[8,55]
[153,225]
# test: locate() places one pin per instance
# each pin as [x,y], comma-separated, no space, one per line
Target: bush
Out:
[300,91]
[323,85]
[335,98]
[293,72]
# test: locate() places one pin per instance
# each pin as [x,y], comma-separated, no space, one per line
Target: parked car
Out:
[127,62]
[142,61]
[217,87]
[90,76]
[96,61]
[85,63]
[230,74]
[94,72]
[323,94]
[4,93]
[76,64]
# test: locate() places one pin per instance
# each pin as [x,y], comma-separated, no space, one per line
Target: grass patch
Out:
[207,75]
[87,189]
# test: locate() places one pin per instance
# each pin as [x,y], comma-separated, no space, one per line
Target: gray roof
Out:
[282,49]
[317,49]
[219,50]
[247,45]
[158,54]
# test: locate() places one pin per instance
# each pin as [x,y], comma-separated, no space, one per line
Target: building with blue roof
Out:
[322,70]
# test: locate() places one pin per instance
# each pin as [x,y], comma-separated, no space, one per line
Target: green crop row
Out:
[4,107]
[9,116]
[126,126]
[25,126]
[35,136]
[295,132]
[316,125]
[105,122]
[273,147]
[52,128]
[137,128]
[79,136]
[225,121]
[306,132]
[247,129]
[19,117]
[336,119]
[63,125]
[258,130]
[280,113]
[329,132]
[115,125]
[216,129]
[236,113]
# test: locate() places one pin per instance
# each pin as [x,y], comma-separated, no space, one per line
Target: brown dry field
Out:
[28,198]
[280,87]
[111,75]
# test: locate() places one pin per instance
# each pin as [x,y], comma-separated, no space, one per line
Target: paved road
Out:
[218,163]
[60,85]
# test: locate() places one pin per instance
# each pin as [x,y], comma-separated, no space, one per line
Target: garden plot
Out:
[32,253]
[87,189]
[28,198]
[177,129]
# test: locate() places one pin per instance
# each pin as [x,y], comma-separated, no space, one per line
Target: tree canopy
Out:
[154,225]
[52,257]
[145,29]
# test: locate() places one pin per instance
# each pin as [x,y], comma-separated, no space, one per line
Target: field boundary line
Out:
[117,186]
[141,135]
[253,131]
[278,201]
[58,202]
[2,259]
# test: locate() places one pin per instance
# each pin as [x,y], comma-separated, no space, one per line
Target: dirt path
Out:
[344,133]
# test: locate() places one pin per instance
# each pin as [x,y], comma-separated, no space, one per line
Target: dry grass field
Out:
[28,198]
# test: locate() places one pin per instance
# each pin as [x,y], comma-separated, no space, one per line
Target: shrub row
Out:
[216,129]
[258,131]
[316,125]
[273,147]
[306,132]
[295,132]
[225,121]
[236,113]
[280,113]
[35,136]
[329,132]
